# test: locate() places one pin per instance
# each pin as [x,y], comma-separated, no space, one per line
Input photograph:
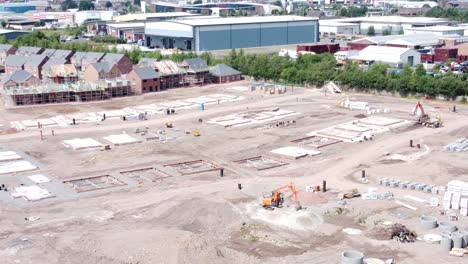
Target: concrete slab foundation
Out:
[316,141]
[294,152]
[94,183]
[193,167]
[82,143]
[145,175]
[260,163]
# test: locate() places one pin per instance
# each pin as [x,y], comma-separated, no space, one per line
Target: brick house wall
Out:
[35,70]
[227,79]
[144,86]
[92,75]
[11,69]
[125,65]
[29,82]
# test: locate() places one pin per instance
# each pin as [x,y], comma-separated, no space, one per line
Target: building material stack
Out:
[456,197]
[443,54]
[319,48]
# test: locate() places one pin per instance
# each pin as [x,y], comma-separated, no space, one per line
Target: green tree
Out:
[68,4]
[137,2]
[3,40]
[401,31]
[420,71]
[371,31]
[127,4]
[386,32]
[86,5]
[4,24]
[108,4]
[196,2]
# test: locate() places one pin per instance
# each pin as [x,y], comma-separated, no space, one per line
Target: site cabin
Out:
[124,64]
[145,80]
[20,79]
[101,71]
[82,60]
[222,73]
[35,63]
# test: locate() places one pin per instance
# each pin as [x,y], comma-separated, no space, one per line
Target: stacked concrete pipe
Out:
[352,257]
[446,242]
[428,222]
[465,237]
[447,226]
[457,239]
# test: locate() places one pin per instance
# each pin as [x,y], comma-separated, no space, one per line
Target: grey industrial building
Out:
[205,34]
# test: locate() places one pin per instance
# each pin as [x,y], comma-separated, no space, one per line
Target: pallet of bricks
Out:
[456,197]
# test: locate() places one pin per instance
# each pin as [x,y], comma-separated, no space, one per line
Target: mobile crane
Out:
[276,199]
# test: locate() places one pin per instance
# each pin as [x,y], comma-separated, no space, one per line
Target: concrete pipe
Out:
[427,189]
[447,226]
[402,185]
[446,243]
[385,183]
[393,184]
[428,222]
[411,185]
[420,187]
[352,257]
[457,239]
[465,237]
[379,181]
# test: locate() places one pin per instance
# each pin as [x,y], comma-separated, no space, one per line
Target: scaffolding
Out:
[66,93]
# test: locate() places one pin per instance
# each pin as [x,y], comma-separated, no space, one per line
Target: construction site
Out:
[236,173]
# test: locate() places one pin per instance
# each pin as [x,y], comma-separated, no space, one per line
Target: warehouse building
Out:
[388,55]
[205,34]
[16,7]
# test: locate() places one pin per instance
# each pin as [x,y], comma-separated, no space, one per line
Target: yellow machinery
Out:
[196,133]
[276,199]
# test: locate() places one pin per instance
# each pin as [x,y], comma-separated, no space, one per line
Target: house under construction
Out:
[65,93]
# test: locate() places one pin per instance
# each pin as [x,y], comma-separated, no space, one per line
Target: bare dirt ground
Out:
[205,218]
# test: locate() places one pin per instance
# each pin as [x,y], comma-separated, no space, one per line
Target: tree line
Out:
[317,69]
[458,14]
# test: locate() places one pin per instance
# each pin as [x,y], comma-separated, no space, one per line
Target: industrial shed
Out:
[205,34]
[388,55]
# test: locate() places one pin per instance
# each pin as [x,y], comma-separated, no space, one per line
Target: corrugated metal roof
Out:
[381,53]
[428,39]
[242,20]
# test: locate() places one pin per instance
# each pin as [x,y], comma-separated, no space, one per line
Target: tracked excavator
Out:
[424,119]
[276,199]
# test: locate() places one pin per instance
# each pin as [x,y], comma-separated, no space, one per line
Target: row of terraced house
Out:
[39,76]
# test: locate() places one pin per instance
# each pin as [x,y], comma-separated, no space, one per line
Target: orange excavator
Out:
[276,199]
[424,119]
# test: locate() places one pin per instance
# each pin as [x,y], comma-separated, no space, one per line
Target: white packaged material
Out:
[434,201]
[369,196]
[464,202]
[464,212]
[446,205]
[448,197]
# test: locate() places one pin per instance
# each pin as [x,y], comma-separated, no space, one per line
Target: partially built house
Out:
[66,93]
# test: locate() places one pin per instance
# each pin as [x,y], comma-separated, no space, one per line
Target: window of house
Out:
[144,81]
[155,79]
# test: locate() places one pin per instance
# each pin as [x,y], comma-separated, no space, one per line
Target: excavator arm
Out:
[276,198]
